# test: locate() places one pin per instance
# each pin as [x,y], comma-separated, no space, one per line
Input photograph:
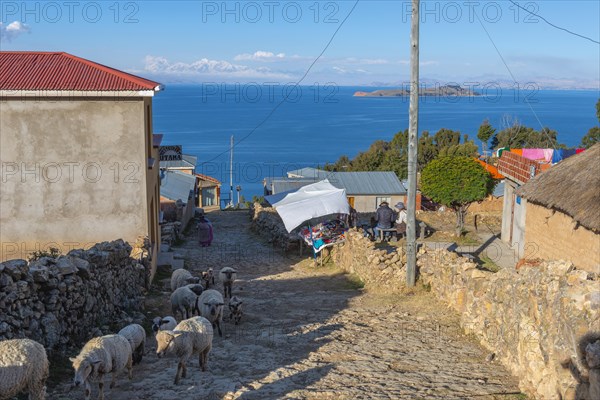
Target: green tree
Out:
[456,182]
[426,150]
[593,135]
[520,137]
[446,138]
[485,133]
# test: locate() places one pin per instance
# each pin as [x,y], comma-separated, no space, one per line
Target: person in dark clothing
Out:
[205,232]
[384,217]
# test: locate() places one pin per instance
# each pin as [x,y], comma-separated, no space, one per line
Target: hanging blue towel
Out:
[557,156]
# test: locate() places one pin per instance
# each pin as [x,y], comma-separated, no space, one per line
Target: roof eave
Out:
[79,93]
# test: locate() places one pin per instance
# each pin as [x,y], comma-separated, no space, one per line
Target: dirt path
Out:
[311,334]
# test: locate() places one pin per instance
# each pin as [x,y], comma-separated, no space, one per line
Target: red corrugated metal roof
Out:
[28,70]
[208,178]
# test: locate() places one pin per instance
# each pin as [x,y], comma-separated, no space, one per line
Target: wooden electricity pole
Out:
[413,132]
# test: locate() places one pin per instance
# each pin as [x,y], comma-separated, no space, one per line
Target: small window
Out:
[379,200]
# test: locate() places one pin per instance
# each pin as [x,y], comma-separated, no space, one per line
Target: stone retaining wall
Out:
[66,300]
[267,223]
[531,320]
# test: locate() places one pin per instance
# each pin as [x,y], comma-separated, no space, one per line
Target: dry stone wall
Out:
[65,301]
[532,320]
[267,223]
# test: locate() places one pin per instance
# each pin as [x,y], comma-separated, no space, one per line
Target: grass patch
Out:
[488,264]
[353,281]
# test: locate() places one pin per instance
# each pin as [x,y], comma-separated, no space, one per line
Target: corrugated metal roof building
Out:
[365,189]
[40,70]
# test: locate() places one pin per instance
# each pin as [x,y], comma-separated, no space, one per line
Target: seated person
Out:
[384,217]
[400,220]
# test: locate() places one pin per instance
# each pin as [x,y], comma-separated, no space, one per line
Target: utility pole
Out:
[231,173]
[413,132]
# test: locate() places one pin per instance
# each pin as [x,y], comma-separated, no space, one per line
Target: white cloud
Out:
[205,67]
[365,61]
[339,70]
[265,56]
[12,30]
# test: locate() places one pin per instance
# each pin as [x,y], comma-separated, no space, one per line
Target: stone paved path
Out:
[310,334]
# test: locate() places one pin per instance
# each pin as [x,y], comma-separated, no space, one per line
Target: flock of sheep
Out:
[24,364]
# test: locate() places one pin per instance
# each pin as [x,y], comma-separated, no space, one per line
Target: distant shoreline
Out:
[446,91]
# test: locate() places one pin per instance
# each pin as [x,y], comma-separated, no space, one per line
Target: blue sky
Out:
[276,41]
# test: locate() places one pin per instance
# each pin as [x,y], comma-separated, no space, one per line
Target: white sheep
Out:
[183,300]
[136,336]
[227,275]
[208,277]
[101,355]
[191,336]
[210,305]
[182,277]
[163,324]
[235,309]
[23,368]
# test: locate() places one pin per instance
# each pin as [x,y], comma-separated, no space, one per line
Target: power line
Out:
[294,87]
[553,25]
[511,74]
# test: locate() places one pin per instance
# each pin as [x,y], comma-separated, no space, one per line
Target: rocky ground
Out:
[311,333]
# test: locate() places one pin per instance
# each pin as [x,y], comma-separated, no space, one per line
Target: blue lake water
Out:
[316,125]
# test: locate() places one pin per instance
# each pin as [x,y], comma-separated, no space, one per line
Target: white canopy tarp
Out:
[311,201]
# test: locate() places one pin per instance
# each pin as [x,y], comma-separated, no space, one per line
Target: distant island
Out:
[446,90]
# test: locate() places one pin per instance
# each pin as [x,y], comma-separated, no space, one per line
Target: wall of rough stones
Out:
[64,301]
[531,320]
[381,269]
[267,223]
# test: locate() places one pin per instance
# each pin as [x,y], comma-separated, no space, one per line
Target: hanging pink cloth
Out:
[533,154]
[548,154]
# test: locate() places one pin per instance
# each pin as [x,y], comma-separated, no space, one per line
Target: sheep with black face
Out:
[235,309]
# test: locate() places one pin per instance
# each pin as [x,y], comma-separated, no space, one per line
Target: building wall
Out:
[369,203]
[553,235]
[73,173]
[519,245]
[507,206]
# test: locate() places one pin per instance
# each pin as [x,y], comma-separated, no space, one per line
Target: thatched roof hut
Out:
[572,187]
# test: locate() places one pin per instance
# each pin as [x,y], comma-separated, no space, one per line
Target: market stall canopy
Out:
[311,201]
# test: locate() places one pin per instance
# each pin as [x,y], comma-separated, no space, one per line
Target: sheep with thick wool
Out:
[191,336]
[183,300]
[99,356]
[136,336]
[163,324]
[227,276]
[182,277]
[210,306]
[23,369]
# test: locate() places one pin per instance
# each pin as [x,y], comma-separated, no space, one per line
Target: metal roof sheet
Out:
[186,162]
[367,183]
[175,185]
[308,172]
[355,183]
[28,70]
